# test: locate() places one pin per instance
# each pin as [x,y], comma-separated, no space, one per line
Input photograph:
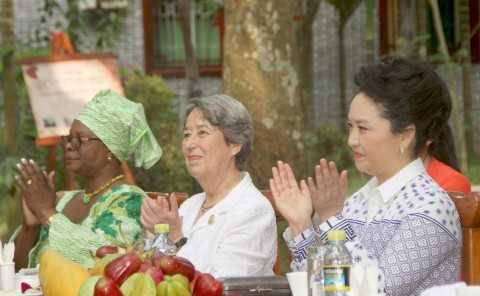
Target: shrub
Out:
[329,142]
[10,214]
[169,174]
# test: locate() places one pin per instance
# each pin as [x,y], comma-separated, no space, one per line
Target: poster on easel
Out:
[58,88]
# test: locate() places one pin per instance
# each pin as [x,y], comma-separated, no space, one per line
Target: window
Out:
[164,47]
[450,14]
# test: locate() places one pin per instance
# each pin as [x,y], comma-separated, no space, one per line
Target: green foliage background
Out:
[26,135]
[169,174]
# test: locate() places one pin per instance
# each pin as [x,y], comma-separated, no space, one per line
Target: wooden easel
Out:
[62,48]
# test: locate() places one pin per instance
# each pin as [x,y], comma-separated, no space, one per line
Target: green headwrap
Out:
[122,126]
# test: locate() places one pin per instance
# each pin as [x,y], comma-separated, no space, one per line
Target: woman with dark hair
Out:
[401,223]
[230,227]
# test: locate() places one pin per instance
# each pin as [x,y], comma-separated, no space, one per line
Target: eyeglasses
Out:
[77,142]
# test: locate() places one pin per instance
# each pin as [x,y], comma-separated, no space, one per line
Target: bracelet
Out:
[50,219]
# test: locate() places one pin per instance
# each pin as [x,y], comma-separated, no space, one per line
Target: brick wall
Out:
[326,59]
[129,47]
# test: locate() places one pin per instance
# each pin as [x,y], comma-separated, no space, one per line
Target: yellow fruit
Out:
[140,284]
[60,276]
[176,285]
[88,286]
[99,267]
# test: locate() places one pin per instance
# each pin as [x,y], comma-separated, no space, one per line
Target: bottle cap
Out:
[336,235]
[162,228]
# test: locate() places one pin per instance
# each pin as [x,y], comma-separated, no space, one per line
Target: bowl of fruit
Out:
[128,273]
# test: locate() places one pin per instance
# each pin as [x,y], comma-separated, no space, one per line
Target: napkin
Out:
[363,281]
[7,251]
[444,290]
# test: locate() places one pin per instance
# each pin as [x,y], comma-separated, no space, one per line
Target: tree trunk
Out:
[191,63]
[342,72]
[370,30]
[438,26]
[467,109]
[345,9]
[262,69]
[465,59]
[421,28]
[9,77]
[305,37]
[406,10]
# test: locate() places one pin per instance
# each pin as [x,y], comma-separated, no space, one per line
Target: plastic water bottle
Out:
[315,262]
[162,243]
[337,264]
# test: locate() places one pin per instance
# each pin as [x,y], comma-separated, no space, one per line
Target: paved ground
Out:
[476,188]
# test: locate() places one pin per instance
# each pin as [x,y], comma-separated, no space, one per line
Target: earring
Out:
[401,150]
[109,158]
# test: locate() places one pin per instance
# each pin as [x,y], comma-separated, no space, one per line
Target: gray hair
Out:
[231,117]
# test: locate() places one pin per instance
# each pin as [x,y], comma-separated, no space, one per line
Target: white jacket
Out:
[237,237]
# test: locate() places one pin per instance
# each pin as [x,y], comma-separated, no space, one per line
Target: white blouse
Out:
[236,237]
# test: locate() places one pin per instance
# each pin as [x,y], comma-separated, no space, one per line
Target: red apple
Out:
[104,250]
[207,285]
[185,267]
[155,273]
[156,258]
[195,277]
[121,268]
[145,266]
[106,287]
[172,265]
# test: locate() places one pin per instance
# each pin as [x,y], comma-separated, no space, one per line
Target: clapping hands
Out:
[296,201]
[38,192]
[162,210]
[328,190]
[291,198]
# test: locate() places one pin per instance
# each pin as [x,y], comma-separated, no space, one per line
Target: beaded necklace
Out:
[206,208]
[87,197]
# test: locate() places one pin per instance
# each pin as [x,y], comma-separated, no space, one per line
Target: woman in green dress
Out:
[109,129]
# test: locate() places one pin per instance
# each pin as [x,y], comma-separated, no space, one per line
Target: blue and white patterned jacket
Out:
[414,237]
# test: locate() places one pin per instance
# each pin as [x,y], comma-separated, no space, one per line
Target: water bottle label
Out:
[316,289]
[316,285]
[336,278]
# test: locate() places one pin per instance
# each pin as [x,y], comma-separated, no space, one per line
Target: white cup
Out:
[7,276]
[468,291]
[298,283]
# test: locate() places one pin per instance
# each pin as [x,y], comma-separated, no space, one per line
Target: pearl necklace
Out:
[87,197]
